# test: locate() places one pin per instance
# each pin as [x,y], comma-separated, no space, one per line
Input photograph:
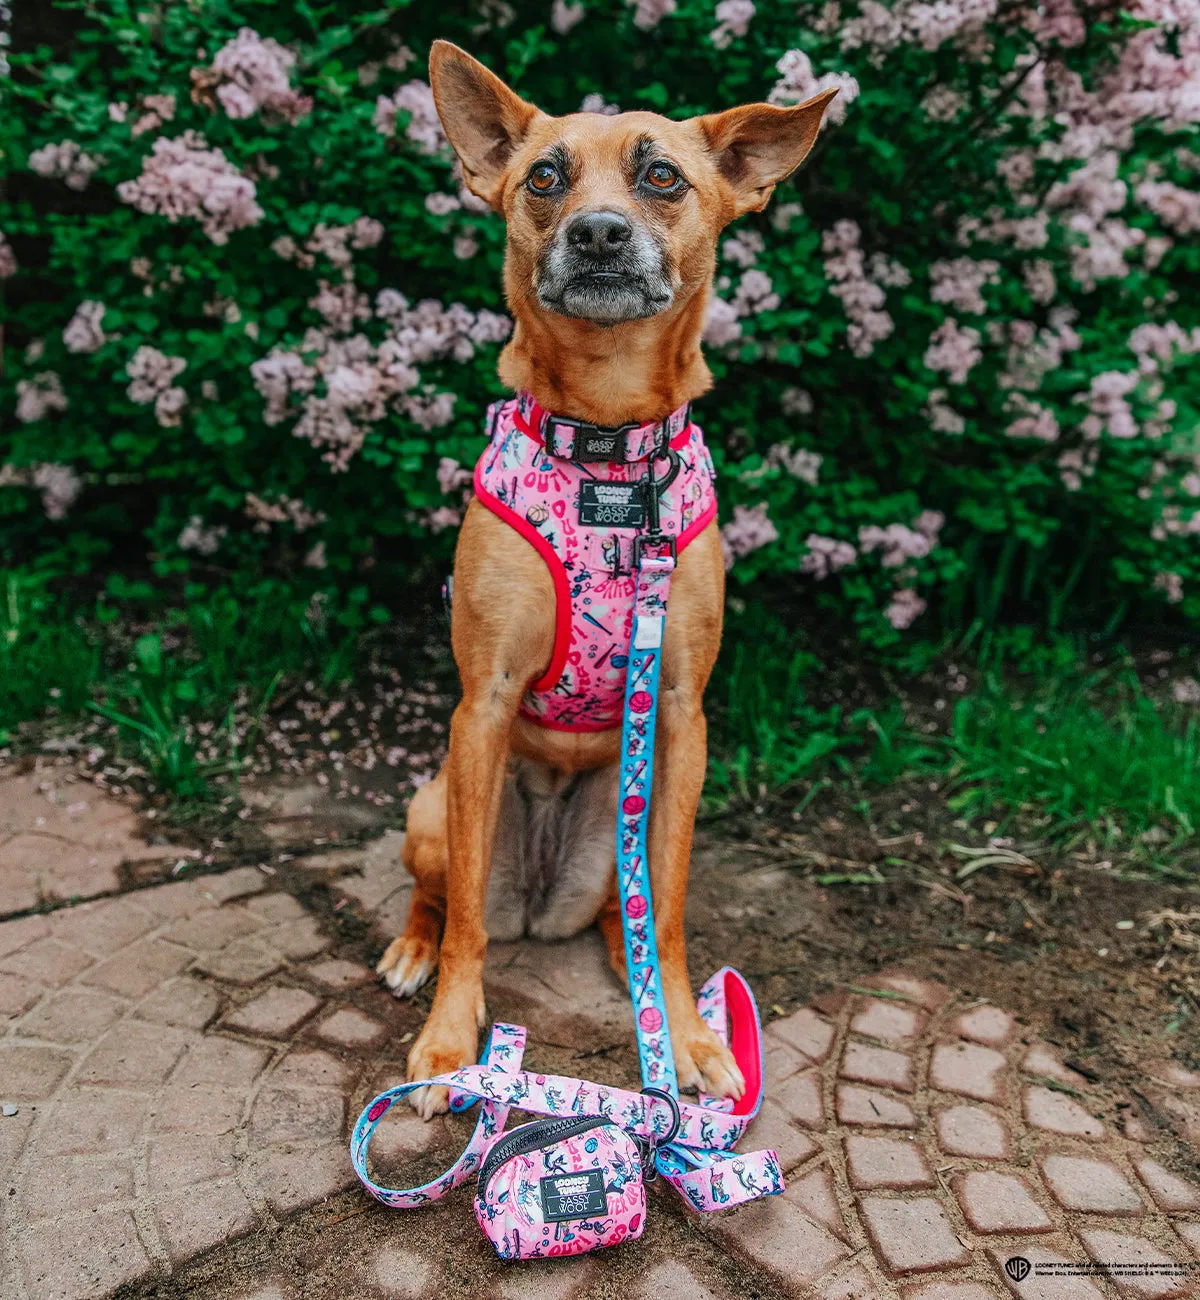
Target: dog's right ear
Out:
[483,119]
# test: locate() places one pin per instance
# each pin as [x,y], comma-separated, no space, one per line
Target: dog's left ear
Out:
[483,119]
[758,145]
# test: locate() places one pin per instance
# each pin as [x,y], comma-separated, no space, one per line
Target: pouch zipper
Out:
[528,1137]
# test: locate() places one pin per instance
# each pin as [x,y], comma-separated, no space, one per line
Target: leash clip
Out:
[649,1145]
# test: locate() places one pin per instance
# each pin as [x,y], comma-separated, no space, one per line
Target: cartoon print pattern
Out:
[509,1208]
[515,474]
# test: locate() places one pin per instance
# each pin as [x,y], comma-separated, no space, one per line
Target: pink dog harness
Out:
[576,494]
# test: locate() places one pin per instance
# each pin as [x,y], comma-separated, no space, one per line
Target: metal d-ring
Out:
[676,1119]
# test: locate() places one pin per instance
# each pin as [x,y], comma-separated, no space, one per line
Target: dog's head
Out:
[612,218]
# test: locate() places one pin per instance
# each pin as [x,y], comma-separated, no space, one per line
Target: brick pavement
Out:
[184,1061]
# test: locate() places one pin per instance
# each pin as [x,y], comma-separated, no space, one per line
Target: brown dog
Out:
[612,233]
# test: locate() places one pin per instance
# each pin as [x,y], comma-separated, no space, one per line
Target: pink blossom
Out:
[649,13]
[798,82]
[1074,465]
[1154,344]
[199,537]
[743,248]
[1175,207]
[1034,353]
[39,396]
[341,305]
[1040,283]
[942,417]
[156,109]
[733,19]
[424,128]
[943,104]
[58,484]
[1187,689]
[432,411]
[796,401]
[754,294]
[799,462]
[1171,584]
[8,260]
[596,103]
[283,510]
[1060,21]
[452,476]
[1106,400]
[897,542]
[183,178]
[905,608]
[959,282]
[929,523]
[861,297]
[440,205]
[465,245]
[1033,420]
[747,531]
[955,349]
[826,555]
[879,28]
[564,16]
[83,332]
[64,161]
[315,558]
[721,324]
[443,517]
[256,74]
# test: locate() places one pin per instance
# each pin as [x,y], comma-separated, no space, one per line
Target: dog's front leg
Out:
[693,634]
[499,645]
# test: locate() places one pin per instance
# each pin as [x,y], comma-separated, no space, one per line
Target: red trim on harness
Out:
[745,1042]
[519,420]
[562,588]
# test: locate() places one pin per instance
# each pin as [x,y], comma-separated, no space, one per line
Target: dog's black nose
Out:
[598,234]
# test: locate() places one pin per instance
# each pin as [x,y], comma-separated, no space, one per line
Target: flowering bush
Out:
[254,314]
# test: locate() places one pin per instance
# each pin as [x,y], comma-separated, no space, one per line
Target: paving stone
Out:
[801,1100]
[816,1195]
[770,1129]
[780,1062]
[276,1013]
[17,994]
[46,961]
[1091,1185]
[31,1073]
[14,1129]
[94,1120]
[203,1216]
[973,1131]
[950,1291]
[337,974]
[299,939]
[875,1162]
[993,1202]
[1118,1249]
[350,1028]
[1171,1072]
[74,1015]
[185,1159]
[987,1025]
[239,883]
[911,1236]
[1055,1113]
[316,1069]
[1041,1062]
[185,1002]
[855,1284]
[776,1236]
[296,1115]
[1135,1128]
[134,1054]
[293,1179]
[402,1273]
[207,1108]
[893,1022]
[878,1065]
[221,1060]
[806,1032]
[212,928]
[1190,1232]
[73,1257]
[19,934]
[670,1278]
[1047,1286]
[245,961]
[275,909]
[868,1109]
[403,1135]
[80,1182]
[926,993]
[1172,1193]
[102,928]
[140,968]
[969,1069]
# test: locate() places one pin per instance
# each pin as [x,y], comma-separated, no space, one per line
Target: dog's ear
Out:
[758,145]
[483,119]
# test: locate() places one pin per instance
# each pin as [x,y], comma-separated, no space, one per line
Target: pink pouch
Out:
[561,1187]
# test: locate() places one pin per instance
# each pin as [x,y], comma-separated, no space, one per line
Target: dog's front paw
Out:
[703,1062]
[444,1045]
[408,963]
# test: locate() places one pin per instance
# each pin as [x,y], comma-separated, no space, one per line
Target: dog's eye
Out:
[543,178]
[662,176]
